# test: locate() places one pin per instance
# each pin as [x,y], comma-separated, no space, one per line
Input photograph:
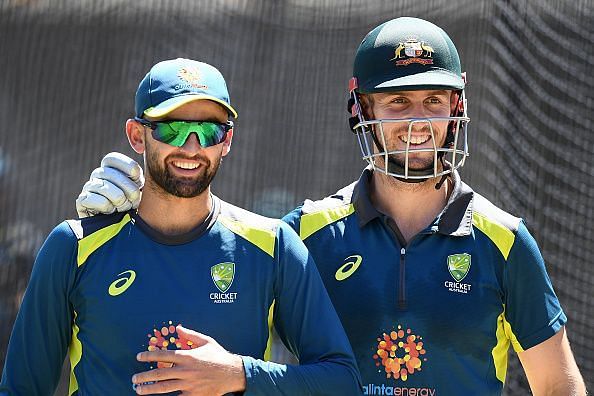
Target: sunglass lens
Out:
[176,133]
[211,134]
[168,132]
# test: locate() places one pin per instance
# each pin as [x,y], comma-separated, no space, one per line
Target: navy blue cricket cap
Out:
[172,83]
[407,54]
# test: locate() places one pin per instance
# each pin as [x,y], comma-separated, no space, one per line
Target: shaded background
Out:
[69,70]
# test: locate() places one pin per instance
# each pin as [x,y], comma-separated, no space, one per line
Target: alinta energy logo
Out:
[191,77]
[166,338]
[401,354]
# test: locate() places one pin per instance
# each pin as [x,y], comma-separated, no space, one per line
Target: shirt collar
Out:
[361,199]
[455,219]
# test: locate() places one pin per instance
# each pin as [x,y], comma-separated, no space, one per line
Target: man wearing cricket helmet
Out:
[432,282]
[395,138]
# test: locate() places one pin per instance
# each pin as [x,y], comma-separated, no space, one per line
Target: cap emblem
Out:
[191,75]
[413,51]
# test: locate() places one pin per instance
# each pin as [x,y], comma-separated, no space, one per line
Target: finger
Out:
[107,189]
[119,179]
[161,356]
[160,374]
[90,204]
[160,387]
[125,164]
[198,339]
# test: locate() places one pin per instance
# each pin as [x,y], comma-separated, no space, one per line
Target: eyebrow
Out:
[410,93]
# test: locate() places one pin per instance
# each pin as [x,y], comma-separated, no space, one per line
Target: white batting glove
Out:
[114,186]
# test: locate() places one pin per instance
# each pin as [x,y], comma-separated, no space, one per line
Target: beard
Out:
[182,187]
[422,161]
[417,161]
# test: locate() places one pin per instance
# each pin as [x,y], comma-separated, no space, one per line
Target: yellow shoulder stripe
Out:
[75,354]
[268,351]
[264,239]
[87,245]
[501,236]
[505,336]
[313,222]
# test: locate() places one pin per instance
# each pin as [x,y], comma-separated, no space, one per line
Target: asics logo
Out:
[122,284]
[348,268]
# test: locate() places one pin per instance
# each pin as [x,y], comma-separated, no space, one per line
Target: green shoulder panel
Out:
[313,222]
[256,229]
[94,232]
[316,215]
[499,226]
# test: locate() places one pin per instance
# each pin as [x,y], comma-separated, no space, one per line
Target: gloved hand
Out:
[114,186]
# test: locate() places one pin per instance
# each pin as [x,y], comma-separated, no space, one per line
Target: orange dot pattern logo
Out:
[166,338]
[400,353]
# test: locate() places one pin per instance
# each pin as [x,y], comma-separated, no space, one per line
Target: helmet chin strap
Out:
[443,177]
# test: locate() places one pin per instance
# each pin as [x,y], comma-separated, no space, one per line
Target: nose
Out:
[192,144]
[421,125]
[420,111]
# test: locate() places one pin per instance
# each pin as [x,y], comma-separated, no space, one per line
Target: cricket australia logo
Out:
[222,275]
[458,266]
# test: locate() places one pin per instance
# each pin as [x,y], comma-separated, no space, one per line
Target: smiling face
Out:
[421,134]
[184,171]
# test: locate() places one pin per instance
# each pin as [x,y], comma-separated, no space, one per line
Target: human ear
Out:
[454,99]
[366,106]
[135,135]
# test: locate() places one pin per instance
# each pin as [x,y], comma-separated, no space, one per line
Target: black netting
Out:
[69,70]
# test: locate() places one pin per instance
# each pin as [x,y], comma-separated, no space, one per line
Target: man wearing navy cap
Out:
[107,287]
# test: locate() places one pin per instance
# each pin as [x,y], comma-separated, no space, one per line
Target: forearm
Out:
[42,331]
[571,383]
[551,368]
[322,378]
[32,365]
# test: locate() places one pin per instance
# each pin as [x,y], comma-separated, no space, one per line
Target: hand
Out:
[115,186]
[206,370]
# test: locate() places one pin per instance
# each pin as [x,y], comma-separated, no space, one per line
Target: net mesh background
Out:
[70,70]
